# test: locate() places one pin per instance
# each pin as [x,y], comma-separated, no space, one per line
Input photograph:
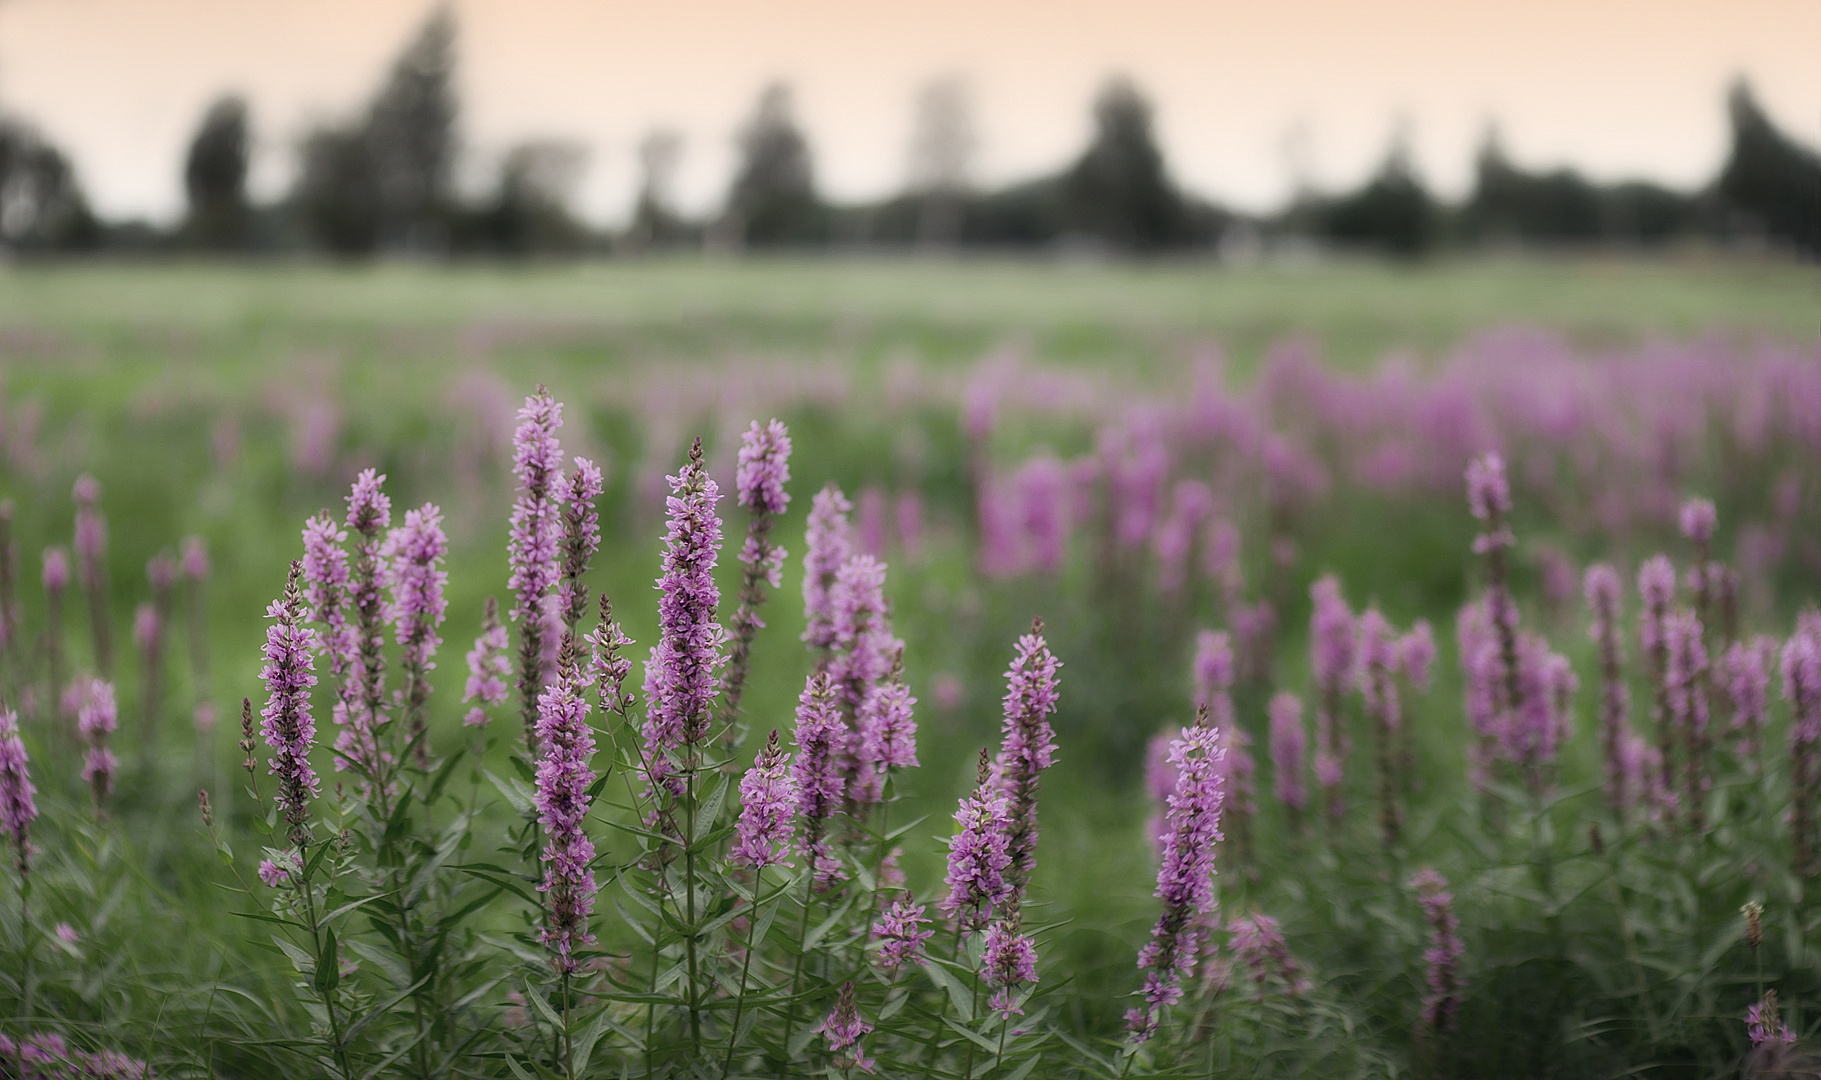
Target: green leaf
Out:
[538,1002]
[584,1047]
[302,961]
[709,809]
[517,1069]
[328,964]
[516,792]
[958,996]
[989,1045]
[380,1010]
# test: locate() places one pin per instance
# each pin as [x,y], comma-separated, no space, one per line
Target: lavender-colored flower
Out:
[290,732]
[901,936]
[415,553]
[886,738]
[608,664]
[1443,956]
[147,629]
[1185,879]
[821,739]
[564,773]
[863,645]
[844,1029]
[488,667]
[1802,688]
[1213,673]
[195,558]
[1686,677]
[18,809]
[1416,653]
[533,541]
[680,681]
[1764,1024]
[977,855]
[1488,494]
[361,709]
[274,875]
[764,468]
[828,544]
[1602,590]
[66,933]
[1697,520]
[1259,944]
[97,717]
[56,570]
[325,589]
[1746,666]
[1332,640]
[1009,961]
[1289,744]
[768,800]
[581,538]
[1027,746]
[1377,679]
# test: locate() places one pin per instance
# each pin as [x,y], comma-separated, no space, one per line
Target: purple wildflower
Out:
[863,644]
[828,543]
[325,589]
[56,570]
[1377,678]
[488,667]
[1009,961]
[97,716]
[274,875]
[1416,653]
[1027,746]
[977,855]
[1746,666]
[289,671]
[531,545]
[1697,520]
[886,738]
[900,935]
[1802,688]
[768,799]
[90,542]
[608,665]
[1289,743]
[18,809]
[1185,880]
[1540,724]
[844,1029]
[66,933]
[764,468]
[565,749]
[361,709]
[195,557]
[1488,494]
[1657,586]
[680,676]
[1444,953]
[1332,639]
[821,739]
[581,538]
[416,551]
[1686,680]
[1213,672]
[1764,1024]
[1602,590]
[1259,944]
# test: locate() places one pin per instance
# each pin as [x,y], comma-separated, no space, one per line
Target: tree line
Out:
[382,182]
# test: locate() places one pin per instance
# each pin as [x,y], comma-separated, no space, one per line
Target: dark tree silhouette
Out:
[655,221]
[42,207]
[1770,176]
[337,195]
[773,198]
[1119,190]
[531,211]
[1392,212]
[215,177]
[941,151]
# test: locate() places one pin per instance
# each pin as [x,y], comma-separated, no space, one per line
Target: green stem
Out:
[739,1001]
[796,971]
[568,1039]
[328,998]
[689,900]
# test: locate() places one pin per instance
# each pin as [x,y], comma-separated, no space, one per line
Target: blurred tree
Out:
[1770,176]
[42,207]
[215,177]
[773,198]
[655,221]
[337,195]
[1392,212]
[411,136]
[531,211]
[1510,204]
[1119,190]
[941,152]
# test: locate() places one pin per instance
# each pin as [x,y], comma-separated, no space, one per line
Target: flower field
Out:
[981,671]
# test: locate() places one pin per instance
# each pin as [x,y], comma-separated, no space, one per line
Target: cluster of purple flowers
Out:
[901,934]
[1185,880]
[581,538]
[1443,956]
[763,470]
[1258,943]
[821,738]
[564,773]
[827,545]
[1289,744]
[18,809]
[488,667]
[978,858]
[1333,638]
[768,801]
[533,541]
[1802,688]
[844,1029]
[290,732]
[97,716]
[48,1056]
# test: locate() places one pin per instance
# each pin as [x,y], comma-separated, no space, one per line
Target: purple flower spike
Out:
[901,936]
[488,667]
[1602,590]
[1697,520]
[417,549]
[886,739]
[977,856]
[1764,1024]
[1009,961]
[362,705]
[325,590]
[1185,879]
[828,544]
[1444,954]
[1488,495]
[581,537]
[195,558]
[768,800]
[97,717]
[18,809]
[290,732]
[566,749]
[1259,944]
[680,678]
[1288,746]
[1332,640]
[863,642]
[608,665]
[844,1029]
[1746,666]
[56,570]
[821,739]
[1802,688]
[533,541]
[1416,653]
[1213,668]
[1686,680]
[764,469]
[1027,746]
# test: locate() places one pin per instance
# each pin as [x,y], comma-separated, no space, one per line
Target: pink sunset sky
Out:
[1618,88]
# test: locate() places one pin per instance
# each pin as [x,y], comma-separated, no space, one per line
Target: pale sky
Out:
[1618,88]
